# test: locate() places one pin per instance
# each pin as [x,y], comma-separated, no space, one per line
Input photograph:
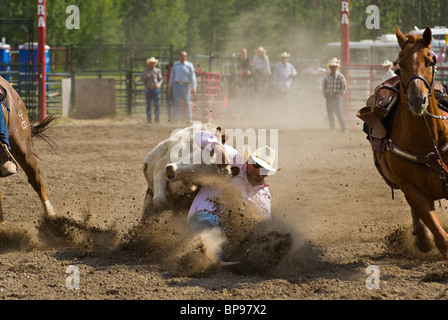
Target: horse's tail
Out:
[38,130]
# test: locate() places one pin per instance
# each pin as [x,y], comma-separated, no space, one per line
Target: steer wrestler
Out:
[205,213]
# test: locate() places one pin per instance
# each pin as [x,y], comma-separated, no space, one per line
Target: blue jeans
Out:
[152,95]
[181,90]
[203,220]
[334,108]
[4,135]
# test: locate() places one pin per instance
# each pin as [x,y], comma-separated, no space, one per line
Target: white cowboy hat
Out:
[285,55]
[387,63]
[334,62]
[265,157]
[261,49]
[152,60]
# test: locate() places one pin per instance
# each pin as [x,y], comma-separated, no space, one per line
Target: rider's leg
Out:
[7,167]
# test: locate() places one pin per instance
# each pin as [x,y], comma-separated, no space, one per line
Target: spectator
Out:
[244,68]
[334,86]
[198,69]
[441,56]
[316,72]
[283,74]
[261,69]
[152,78]
[389,73]
[182,81]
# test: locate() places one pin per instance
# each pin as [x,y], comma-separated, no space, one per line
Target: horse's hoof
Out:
[423,243]
[48,208]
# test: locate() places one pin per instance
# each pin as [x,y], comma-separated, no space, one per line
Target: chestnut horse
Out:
[417,140]
[21,132]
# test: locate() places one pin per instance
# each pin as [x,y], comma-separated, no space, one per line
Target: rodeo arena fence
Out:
[362,81]
[96,80]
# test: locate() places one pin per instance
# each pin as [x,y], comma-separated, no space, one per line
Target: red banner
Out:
[345,34]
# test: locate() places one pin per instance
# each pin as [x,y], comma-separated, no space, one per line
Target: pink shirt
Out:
[205,199]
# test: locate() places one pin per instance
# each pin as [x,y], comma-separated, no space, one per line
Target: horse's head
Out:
[416,62]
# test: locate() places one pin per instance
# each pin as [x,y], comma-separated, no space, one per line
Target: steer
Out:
[172,169]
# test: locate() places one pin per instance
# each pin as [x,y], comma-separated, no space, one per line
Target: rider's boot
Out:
[7,166]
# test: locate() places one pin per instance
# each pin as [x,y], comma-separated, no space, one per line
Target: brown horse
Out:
[417,140]
[21,132]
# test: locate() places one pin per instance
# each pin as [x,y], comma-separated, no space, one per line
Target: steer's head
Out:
[199,156]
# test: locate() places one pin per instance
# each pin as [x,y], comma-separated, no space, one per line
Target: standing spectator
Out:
[441,56]
[283,74]
[334,86]
[169,95]
[389,73]
[261,69]
[183,76]
[198,69]
[244,69]
[152,78]
[316,72]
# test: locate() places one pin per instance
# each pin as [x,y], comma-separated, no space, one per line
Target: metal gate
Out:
[22,71]
[362,81]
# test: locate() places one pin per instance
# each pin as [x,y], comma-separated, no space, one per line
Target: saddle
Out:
[377,116]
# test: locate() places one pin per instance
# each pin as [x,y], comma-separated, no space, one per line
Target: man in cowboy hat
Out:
[153,79]
[334,86]
[248,181]
[283,74]
[261,69]
[387,65]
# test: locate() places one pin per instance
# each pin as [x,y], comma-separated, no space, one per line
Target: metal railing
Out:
[362,81]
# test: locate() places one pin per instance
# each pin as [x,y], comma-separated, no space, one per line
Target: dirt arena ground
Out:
[328,197]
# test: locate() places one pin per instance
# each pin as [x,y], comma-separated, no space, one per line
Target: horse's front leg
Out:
[421,233]
[424,208]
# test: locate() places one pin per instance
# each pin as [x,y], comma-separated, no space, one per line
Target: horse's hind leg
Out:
[28,162]
[422,239]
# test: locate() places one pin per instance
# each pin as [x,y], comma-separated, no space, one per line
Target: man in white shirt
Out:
[283,74]
[261,69]
[387,65]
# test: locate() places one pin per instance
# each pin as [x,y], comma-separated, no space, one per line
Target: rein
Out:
[436,117]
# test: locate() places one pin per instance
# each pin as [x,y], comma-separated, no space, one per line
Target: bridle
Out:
[419,77]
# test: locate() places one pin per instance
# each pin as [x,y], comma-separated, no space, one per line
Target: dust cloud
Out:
[304,106]
[247,243]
